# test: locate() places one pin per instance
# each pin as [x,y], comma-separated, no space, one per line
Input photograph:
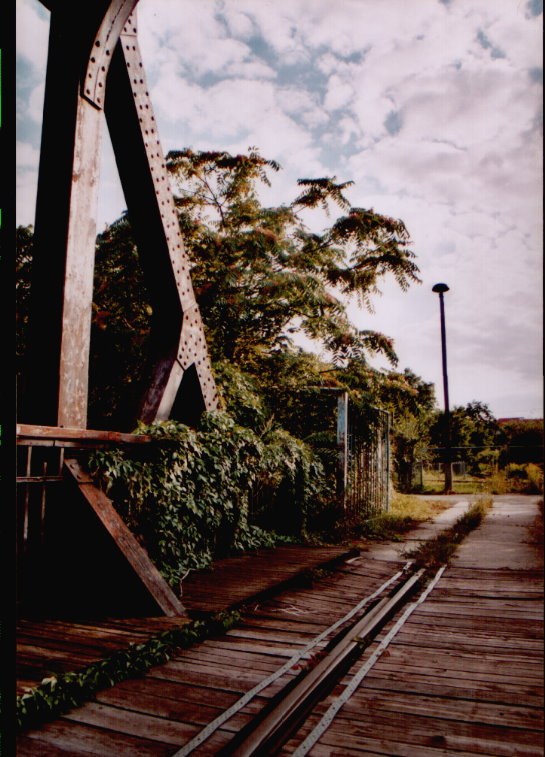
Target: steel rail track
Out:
[294,700]
[371,605]
[281,718]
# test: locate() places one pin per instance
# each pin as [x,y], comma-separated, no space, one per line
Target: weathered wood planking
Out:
[176,699]
[454,680]
[234,580]
[478,693]
[49,647]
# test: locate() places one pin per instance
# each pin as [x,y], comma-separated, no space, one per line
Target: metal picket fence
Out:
[363,440]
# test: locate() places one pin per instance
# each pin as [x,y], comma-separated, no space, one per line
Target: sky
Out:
[433,108]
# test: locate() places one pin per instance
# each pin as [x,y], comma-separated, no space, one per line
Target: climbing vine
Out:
[187,497]
[58,693]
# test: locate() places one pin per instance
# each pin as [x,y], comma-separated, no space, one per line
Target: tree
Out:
[411,401]
[523,441]
[474,431]
[259,276]
[259,273]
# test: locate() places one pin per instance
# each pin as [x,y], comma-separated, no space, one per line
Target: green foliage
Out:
[59,693]
[23,271]
[188,497]
[411,401]
[473,429]
[523,441]
[259,272]
[259,275]
[120,328]
[526,478]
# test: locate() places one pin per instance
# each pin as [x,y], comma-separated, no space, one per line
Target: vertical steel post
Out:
[342,446]
[56,379]
[388,460]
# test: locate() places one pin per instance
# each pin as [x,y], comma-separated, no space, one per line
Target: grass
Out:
[406,512]
[438,551]
[469,485]
[498,482]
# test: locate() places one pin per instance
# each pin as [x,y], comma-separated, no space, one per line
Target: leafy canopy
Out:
[260,274]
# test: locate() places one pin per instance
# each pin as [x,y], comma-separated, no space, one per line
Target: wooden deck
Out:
[464,677]
[164,709]
[253,575]
[51,646]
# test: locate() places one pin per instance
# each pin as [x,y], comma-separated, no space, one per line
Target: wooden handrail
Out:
[29,431]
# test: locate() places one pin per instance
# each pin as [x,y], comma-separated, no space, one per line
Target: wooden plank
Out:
[185,711]
[449,708]
[489,674]
[467,732]
[132,723]
[347,741]
[506,693]
[161,686]
[124,540]
[77,739]
[32,431]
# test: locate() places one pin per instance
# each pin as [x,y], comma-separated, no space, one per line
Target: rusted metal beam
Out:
[56,379]
[177,336]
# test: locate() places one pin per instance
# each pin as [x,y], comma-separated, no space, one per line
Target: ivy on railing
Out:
[187,496]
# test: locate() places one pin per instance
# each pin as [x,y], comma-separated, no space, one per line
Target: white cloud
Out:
[27,156]
[32,30]
[428,106]
[339,93]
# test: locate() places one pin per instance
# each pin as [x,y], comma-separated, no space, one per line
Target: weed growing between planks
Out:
[60,693]
[436,552]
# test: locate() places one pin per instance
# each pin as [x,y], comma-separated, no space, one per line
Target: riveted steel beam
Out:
[56,378]
[94,64]
[177,339]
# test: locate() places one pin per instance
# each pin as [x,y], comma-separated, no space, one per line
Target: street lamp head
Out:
[440,288]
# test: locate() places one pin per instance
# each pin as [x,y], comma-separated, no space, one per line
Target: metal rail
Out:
[267,733]
[284,714]
[213,726]
[304,748]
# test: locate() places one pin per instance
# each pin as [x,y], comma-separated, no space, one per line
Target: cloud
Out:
[27,156]
[32,28]
[435,113]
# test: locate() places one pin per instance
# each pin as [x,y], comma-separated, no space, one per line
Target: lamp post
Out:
[441,289]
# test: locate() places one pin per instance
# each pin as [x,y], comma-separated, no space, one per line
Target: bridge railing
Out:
[51,481]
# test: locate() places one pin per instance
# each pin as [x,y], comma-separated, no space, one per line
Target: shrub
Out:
[187,497]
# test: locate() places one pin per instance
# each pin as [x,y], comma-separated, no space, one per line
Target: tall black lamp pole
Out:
[441,289]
